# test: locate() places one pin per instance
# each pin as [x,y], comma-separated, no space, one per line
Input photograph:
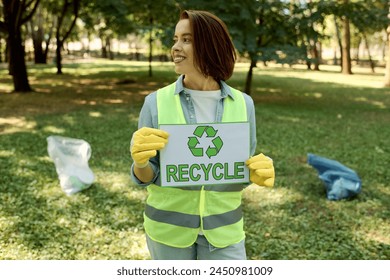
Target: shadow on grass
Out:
[307,226]
[38,221]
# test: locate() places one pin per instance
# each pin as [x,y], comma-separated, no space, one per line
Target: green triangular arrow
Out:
[197,152]
[210,152]
[218,143]
[199,131]
[210,131]
[192,142]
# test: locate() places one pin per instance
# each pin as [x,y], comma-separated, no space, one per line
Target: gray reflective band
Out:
[225,188]
[191,188]
[227,218]
[215,188]
[171,217]
[193,221]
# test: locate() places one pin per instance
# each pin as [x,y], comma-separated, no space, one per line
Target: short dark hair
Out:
[214,52]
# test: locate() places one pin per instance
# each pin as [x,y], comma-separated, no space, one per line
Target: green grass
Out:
[345,118]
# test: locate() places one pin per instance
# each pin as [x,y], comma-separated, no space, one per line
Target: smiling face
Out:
[183,49]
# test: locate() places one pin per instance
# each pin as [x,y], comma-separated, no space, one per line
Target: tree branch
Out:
[60,20]
[3,27]
[18,14]
[76,4]
[29,16]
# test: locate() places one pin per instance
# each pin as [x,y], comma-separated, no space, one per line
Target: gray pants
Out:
[200,250]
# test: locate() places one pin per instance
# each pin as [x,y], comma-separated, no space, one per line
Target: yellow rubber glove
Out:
[145,143]
[261,170]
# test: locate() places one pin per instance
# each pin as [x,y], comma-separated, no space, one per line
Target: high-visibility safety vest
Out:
[175,215]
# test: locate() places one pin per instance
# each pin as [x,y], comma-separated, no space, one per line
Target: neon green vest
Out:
[173,216]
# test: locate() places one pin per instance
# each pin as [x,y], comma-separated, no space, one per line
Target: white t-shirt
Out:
[205,104]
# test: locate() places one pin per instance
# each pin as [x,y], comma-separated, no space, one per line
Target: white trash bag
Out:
[70,157]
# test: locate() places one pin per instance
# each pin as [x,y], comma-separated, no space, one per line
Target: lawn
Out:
[345,118]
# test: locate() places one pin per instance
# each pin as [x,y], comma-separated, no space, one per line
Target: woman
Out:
[195,222]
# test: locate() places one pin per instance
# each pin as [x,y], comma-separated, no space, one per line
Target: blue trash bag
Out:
[340,181]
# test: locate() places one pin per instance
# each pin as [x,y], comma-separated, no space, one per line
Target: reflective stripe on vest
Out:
[174,215]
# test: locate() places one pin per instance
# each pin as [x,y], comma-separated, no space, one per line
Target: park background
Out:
[316,71]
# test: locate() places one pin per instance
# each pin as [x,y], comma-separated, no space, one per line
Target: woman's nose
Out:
[176,46]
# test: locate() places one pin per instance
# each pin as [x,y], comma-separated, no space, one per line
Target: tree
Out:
[387,74]
[2,33]
[151,17]
[346,65]
[367,18]
[69,8]
[338,37]
[107,19]
[308,18]
[37,35]
[16,13]
[41,28]
[262,31]
[342,12]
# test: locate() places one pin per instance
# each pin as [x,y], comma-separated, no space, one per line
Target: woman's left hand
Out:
[262,170]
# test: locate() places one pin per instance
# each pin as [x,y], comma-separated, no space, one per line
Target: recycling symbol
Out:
[199,132]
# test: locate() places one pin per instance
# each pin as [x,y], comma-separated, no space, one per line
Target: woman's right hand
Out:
[145,143]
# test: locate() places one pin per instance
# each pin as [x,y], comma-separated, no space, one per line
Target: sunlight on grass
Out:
[291,119]
[328,74]
[314,94]
[379,104]
[6,88]
[380,234]
[53,129]
[13,125]
[95,114]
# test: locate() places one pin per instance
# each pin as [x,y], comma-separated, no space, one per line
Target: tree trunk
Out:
[313,45]
[104,48]
[37,34]
[60,42]
[387,74]
[338,39]
[357,55]
[308,64]
[335,57]
[316,57]
[108,47]
[372,65]
[248,82]
[59,57]
[39,54]
[346,42]
[150,47]
[6,52]
[17,64]
[15,15]
[1,47]
[47,41]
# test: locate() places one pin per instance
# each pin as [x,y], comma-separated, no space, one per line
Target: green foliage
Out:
[369,16]
[157,16]
[107,17]
[297,112]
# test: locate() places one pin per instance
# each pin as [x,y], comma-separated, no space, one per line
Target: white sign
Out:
[205,154]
